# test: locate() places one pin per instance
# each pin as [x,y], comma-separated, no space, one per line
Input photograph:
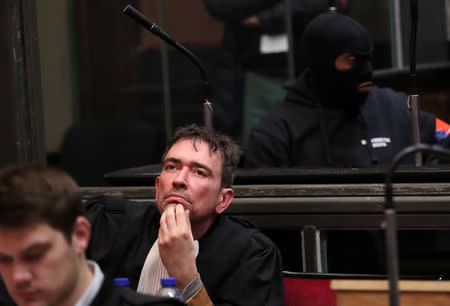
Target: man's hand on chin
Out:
[176,245]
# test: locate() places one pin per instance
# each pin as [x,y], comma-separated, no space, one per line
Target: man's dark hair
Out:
[217,142]
[34,194]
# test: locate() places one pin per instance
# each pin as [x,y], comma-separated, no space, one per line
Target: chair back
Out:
[313,289]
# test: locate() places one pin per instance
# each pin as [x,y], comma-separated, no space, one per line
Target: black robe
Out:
[5,299]
[237,263]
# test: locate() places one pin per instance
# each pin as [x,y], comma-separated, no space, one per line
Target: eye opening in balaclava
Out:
[325,38]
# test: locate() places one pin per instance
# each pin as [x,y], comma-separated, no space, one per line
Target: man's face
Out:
[360,69]
[38,265]
[191,176]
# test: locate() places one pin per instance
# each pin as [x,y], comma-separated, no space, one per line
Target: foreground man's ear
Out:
[81,234]
[225,198]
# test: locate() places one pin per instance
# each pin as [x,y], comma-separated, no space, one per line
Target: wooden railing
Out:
[422,201]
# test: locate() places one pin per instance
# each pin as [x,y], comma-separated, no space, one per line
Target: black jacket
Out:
[301,133]
[5,299]
[237,263]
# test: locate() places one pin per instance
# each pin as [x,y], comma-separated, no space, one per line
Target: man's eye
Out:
[35,255]
[5,260]
[200,172]
[170,167]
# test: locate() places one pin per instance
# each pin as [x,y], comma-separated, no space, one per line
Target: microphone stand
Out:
[290,36]
[165,76]
[155,29]
[413,98]
[390,223]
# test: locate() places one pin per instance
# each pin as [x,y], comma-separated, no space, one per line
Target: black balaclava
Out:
[325,38]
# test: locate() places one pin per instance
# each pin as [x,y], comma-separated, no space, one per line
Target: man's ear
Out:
[225,198]
[156,187]
[344,62]
[81,234]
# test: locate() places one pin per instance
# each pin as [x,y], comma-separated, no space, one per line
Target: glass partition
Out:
[113,93]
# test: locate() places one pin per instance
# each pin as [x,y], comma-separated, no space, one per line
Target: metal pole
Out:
[21,119]
[207,114]
[290,36]
[413,103]
[392,255]
[413,98]
[396,34]
[165,75]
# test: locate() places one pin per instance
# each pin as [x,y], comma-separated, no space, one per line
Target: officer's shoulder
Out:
[250,232]
[241,222]
[387,91]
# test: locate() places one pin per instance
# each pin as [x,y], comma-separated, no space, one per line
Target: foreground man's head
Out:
[43,236]
[198,170]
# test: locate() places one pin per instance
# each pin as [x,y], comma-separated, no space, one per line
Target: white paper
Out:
[273,43]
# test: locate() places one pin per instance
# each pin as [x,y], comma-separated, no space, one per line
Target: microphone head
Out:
[129,10]
[144,21]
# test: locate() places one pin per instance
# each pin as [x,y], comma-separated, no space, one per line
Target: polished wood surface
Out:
[375,292]
[383,285]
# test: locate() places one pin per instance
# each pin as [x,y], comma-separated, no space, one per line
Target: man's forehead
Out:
[195,144]
[24,237]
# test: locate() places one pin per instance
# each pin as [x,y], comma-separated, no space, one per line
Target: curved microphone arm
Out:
[390,224]
[155,29]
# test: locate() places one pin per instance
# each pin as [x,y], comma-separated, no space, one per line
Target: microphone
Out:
[155,29]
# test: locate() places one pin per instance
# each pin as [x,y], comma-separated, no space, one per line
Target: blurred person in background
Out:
[253,69]
[334,116]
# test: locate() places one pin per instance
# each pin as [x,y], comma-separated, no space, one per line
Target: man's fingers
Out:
[162,233]
[170,217]
[181,217]
[188,220]
[161,236]
[175,225]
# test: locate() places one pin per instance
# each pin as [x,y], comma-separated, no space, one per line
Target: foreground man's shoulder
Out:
[118,205]
[247,229]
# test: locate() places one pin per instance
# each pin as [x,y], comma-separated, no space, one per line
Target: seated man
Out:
[334,116]
[43,237]
[184,233]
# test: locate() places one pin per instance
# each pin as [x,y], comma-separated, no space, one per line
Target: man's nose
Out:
[181,179]
[21,273]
